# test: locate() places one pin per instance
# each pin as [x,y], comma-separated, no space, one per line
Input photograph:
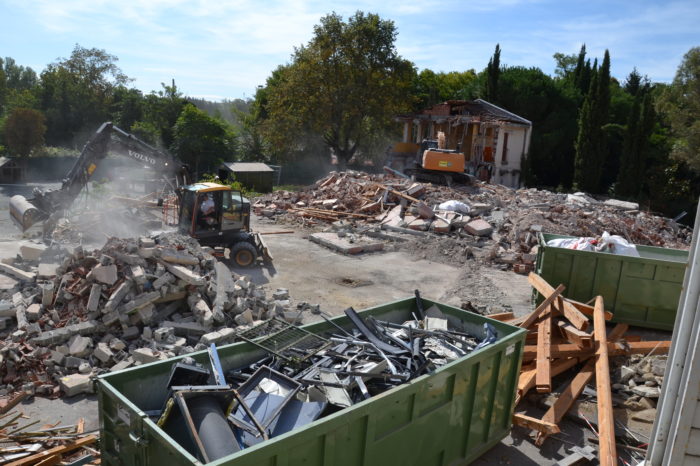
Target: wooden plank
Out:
[578,337]
[535,424]
[570,312]
[54,451]
[606,417]
[587,309]
[543,378]
[560,407]
[526,381]
[502,316]
[570,350]
[50,461]
[549,299]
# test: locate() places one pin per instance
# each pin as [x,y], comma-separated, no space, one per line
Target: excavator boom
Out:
[45,204]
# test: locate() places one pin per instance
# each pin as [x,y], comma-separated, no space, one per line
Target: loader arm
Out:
[107,139]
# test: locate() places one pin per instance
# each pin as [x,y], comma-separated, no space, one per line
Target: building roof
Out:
[478,109]
[238,167]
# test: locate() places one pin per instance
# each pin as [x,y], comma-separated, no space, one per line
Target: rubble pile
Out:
[74,314]
[501,222]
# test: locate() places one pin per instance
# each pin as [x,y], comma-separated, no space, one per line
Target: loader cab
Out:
[210,211]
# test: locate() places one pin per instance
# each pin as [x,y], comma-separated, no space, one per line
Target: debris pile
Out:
[71,315]
[561,339]
[497,223]
[24,443]
[304,376]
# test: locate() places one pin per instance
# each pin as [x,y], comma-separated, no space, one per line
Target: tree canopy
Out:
[345,85]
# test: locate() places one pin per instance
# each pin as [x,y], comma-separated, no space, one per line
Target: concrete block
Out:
[147,333]
[85,368]
[144,355]
[47,270]
[7,309]
[116,344]
[106,274]
[622,205]
[94,299]
[117,296]
[209,338]
[280,294]
[138,274]
[75,384]
[17,273]
[72,362]
[185,329]
[121,365]
[34,312]
[185,274]
[140,301]
[478,227]
[46,294]
[5,322]
[21,316]
[178,257]
[80,346]
[57,357]
[145,313]
[131,333]
[164,279]
[344,245]
[161,334]
[440,226]
[146,242]
[32,251]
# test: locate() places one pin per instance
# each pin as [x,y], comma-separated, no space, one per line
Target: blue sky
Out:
[225,48]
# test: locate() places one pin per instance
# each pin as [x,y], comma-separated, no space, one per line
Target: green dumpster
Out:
[450,416]
[641,291]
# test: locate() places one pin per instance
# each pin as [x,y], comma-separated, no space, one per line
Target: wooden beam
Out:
[570,312]
[543,378]
[578,337]
[534,315]
[54,451]
[526,381]
[502,316]
[535,424]
[560,407]
[570,350]
[606,416]
[587,309]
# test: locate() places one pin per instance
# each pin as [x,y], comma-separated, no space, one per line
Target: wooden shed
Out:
[13,170]
[256,176]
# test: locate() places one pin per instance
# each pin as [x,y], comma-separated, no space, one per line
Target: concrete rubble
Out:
[132,302]
[497,225]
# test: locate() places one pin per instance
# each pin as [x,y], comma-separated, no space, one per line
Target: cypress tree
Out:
[584,171]
[640,125]
[493,70]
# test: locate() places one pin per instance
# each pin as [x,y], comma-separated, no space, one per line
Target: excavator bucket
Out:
[23,213]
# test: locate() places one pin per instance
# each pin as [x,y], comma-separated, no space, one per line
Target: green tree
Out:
[161,111]
[633,163]
[202,141]
[591,143]
[493,71]
[77,92]
[345,85]
[127,107]
[680,105]
[430,88]
[23,131]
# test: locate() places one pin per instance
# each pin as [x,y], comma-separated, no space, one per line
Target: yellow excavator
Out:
[214,214]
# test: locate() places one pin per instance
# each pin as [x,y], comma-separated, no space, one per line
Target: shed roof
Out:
[238,167]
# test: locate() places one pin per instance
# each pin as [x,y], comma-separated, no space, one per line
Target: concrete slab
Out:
[344,245]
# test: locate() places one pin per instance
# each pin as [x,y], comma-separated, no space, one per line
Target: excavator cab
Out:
[218,216]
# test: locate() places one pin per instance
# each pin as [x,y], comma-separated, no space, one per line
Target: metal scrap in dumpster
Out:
[394,384]
[320,375]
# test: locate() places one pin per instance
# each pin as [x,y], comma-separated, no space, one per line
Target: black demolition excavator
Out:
[212,213]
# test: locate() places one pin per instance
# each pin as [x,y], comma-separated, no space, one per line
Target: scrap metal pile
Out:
[67,316]
[303,376]
[498,224]
[560,340]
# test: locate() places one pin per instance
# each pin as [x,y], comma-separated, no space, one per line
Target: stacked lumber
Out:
[23,443]
[560,338]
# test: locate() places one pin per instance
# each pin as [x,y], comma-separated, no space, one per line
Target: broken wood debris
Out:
[557,352]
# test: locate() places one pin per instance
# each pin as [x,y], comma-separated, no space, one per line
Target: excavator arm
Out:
[107,139]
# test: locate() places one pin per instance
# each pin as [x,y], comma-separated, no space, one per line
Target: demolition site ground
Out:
[471,271]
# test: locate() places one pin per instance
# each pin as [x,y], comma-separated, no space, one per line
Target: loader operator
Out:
[206,212]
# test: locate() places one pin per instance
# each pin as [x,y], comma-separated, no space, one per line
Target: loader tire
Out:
[243,254]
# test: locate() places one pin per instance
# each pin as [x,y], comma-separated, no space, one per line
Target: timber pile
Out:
[560,338]
[501,225]
[24,443]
